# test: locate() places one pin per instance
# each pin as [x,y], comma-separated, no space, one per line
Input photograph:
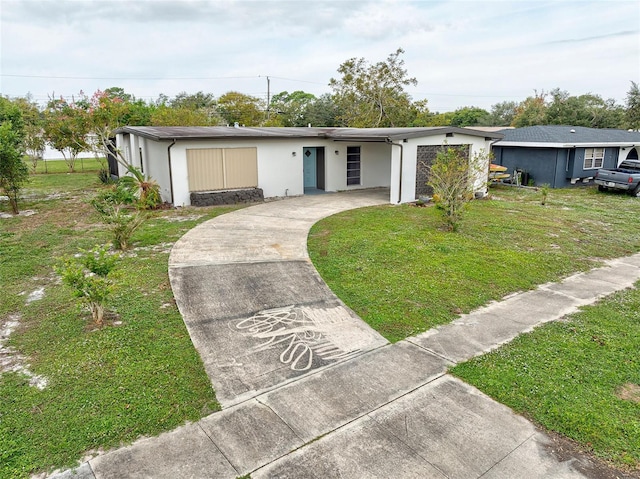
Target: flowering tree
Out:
[66,127]
[34,141]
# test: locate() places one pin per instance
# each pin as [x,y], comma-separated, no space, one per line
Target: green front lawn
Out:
[140,375]
[403,274]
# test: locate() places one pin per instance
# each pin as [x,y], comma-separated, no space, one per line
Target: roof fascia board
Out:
[535,144]
[380,137]
[444,130]
[143,134]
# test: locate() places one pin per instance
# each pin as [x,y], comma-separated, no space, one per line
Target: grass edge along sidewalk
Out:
[579,377]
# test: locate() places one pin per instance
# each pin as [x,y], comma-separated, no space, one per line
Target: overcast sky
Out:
[473,53]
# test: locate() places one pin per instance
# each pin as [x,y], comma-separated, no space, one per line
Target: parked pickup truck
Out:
[625,177]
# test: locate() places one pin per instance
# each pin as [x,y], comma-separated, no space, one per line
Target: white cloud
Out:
[462,53]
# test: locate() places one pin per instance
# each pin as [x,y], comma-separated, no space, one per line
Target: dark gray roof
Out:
[569,135]
[159,133]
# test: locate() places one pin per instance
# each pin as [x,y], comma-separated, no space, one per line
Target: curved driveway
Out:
[256,310]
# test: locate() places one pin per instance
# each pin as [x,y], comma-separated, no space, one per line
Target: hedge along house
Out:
[562,156]
[227,164]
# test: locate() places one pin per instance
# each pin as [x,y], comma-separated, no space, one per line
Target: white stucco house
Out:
[188,161]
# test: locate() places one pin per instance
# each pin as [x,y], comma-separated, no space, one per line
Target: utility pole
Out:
[268,97]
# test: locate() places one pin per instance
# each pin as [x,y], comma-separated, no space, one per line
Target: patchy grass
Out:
[140,375]
[403,274]
[579,377]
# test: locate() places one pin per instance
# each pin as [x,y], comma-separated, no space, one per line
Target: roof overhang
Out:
[378,135]
[532,144]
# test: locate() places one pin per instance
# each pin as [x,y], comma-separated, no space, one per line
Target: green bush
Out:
[117,209]
[88,274]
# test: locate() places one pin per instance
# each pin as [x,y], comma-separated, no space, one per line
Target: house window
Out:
[593,158]
[353,165]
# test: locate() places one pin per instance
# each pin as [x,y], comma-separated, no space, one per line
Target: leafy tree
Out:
[116,92]
[13,171]
[502,114]
[421,114]
[373,95]
[108,111]
[194,101]
[34,141]
[453,178]
[203,103]
[235,107]
[291,108]
[470,116]
[167,116]
[67,126]
[437,119]
[322,112]
[531,111]
[585,110]
[88,275]
[632,114]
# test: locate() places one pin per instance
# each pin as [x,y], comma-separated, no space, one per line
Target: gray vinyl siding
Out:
[540,163]
[554,166]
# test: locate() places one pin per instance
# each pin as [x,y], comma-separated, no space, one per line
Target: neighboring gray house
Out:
[564,155]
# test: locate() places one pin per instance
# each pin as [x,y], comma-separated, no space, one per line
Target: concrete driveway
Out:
[256,310]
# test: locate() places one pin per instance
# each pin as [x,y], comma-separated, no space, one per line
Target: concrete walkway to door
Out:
[301,401]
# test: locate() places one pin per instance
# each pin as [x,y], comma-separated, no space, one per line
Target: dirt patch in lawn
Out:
[629,392]
[12,360]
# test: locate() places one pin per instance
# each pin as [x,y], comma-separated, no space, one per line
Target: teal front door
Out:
[310,168]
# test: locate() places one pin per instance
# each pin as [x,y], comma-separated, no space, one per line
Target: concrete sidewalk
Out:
[378,411]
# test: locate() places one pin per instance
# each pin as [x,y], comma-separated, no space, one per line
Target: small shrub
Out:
[116,207]
[105,176]
[544,190]
[146,190]
[452,177]
[88,274]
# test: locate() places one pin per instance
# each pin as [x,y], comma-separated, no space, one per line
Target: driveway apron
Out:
[256,309]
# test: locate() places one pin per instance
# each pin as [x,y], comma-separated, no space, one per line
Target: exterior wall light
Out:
[293,153]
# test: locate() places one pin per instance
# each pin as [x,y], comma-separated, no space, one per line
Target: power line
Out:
[56,77]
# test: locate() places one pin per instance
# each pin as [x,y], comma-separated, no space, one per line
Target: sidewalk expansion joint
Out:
[291,381]
[355,419]
[201,263]
[412,449]
[450,361]
[219,450]
[533,434]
